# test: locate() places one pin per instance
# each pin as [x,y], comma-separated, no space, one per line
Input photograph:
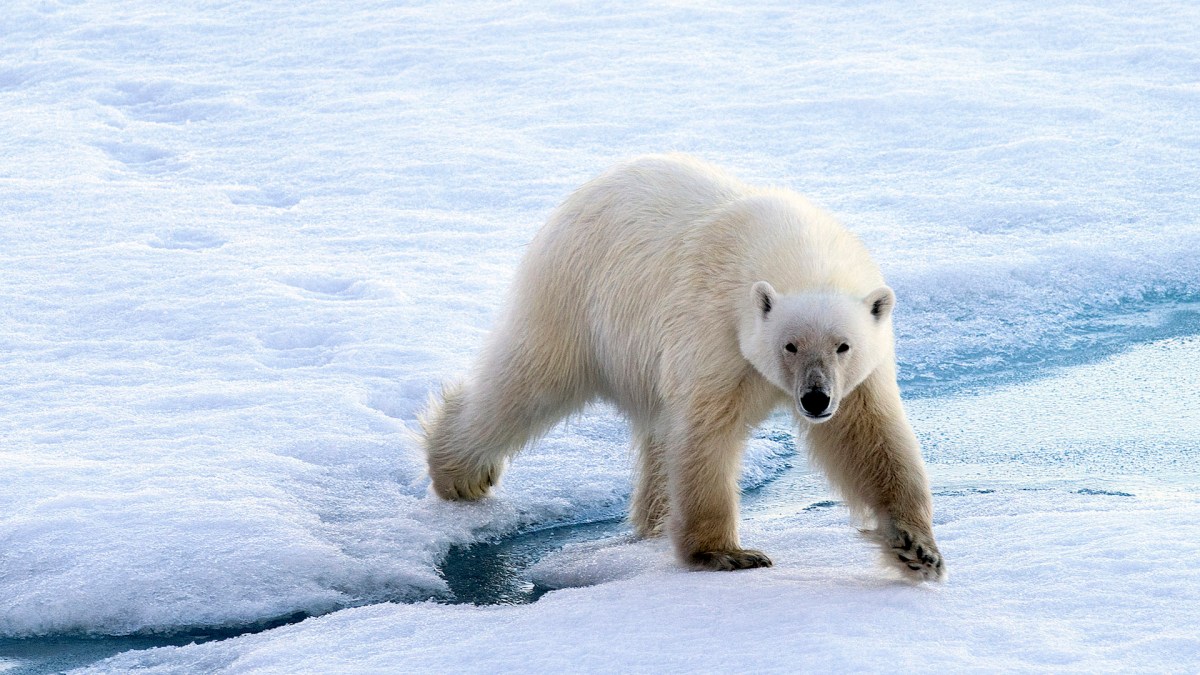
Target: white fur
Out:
[645,288]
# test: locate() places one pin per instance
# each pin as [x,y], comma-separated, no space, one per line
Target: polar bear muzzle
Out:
[815,404]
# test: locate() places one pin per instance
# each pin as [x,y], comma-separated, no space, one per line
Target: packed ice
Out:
[243,243]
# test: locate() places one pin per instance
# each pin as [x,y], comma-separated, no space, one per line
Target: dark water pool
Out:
[59,653]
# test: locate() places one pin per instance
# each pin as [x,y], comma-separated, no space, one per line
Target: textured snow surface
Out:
[241,243]
[1061,571]
[1040,581]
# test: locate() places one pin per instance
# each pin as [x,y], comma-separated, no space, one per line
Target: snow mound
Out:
[601,561]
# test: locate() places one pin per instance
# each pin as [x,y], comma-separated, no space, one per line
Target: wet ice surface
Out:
[241,244]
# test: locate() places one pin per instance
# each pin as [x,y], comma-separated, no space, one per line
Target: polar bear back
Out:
[647,268]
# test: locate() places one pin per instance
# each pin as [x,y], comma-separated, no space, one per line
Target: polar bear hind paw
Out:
[468,487]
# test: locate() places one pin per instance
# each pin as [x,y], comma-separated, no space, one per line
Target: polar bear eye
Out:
[790,347]
[843,348]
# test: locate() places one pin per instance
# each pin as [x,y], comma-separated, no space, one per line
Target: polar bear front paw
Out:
[723,561]
[914,554]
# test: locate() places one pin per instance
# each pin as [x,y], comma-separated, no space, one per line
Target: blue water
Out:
[1089,335]
[59,653]
[495,572]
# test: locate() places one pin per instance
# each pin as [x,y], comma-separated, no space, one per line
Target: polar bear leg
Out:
[516,395]
[705,454]
[648,511]
[871,455]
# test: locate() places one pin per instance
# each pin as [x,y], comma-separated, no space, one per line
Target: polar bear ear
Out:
[763,295]
[881,301]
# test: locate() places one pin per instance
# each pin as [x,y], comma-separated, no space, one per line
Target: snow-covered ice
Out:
[1047,587]
[1058,570]
[241,243]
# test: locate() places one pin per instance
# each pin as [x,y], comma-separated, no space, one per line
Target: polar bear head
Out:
[819,345]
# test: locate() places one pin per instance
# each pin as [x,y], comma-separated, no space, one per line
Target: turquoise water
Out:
[1084,337]
[496,572]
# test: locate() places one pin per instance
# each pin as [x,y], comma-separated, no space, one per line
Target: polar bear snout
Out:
[816,405]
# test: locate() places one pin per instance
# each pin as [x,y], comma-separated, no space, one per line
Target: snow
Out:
[1072,597]
[1046,575]
[243,243]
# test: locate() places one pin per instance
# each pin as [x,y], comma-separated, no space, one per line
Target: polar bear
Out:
[696,305]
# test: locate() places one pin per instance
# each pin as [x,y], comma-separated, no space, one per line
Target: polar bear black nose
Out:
[814,402]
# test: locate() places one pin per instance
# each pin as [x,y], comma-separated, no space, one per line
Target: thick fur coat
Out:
[697,305]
